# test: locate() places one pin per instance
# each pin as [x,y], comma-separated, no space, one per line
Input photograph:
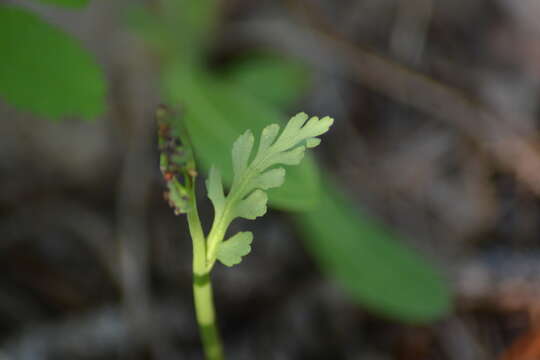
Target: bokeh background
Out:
[416,235]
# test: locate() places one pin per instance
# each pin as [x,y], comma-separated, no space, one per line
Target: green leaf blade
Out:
[241,152]
[275,80]
[272,178]
[268,136]
[252,207]
[375,269]
[290,134]
[313,142]
[298,131]
[231,251]
[214,188]
[316,126]
[291,157]
[46,71]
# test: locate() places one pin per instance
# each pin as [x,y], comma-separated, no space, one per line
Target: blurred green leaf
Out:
[150,28]
[278,81]
[362,255]
[369,262]
[176,27]
[46,71]
[67,3]
[217,112]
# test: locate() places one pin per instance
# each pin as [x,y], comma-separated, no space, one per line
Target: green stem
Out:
[202,287]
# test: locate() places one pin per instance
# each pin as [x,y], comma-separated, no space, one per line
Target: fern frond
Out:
[253,174]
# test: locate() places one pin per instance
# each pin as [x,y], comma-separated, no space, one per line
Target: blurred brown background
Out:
[436,107]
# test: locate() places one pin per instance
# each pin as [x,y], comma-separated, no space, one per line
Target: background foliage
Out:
[44,70]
